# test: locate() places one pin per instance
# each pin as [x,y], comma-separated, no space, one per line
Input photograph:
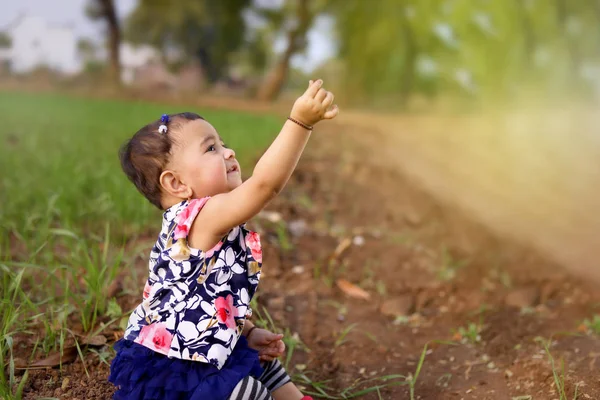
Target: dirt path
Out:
[532,175]
[429,270]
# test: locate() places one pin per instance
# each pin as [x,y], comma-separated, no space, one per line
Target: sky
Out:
[71,13]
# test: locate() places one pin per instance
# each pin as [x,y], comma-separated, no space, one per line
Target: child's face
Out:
[202,162]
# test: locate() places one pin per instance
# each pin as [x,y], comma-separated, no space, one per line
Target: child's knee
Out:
[274,375]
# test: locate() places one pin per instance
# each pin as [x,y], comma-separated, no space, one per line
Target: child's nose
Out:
[229,153]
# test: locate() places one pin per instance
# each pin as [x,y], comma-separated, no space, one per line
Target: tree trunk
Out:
[528,33]
[410,54]
[272,85]
[562,14]
[114,39]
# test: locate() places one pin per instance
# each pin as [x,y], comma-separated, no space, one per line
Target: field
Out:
[382,290]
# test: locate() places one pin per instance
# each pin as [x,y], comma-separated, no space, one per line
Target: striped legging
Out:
[273,377]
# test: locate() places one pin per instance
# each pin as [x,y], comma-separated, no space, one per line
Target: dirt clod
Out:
[523,297]
[400,306]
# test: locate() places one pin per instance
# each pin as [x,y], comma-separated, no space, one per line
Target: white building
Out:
[36,43]
[134,58]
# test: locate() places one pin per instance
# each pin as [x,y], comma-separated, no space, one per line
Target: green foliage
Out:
[474,48]
[208,31]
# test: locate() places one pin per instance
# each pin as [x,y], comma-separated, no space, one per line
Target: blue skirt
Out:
[143,374]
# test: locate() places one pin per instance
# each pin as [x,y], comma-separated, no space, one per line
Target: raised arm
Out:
[227,210]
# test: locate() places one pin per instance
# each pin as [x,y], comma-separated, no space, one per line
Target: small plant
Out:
[10,291]
[99,271]
[558,374]
[593,325]
[341,339]
[450,266]
[291,341]
[283,238]
[411,379]
[357,389]
[469,334]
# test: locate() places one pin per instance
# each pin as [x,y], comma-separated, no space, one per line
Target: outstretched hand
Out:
[315,104]
[268,344]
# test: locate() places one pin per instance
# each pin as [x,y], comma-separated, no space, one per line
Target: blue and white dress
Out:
[192,314]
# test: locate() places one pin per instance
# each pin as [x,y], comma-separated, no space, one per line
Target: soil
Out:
[428,270]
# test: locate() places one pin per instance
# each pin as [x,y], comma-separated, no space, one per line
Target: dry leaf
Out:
[54,360]
[341,248]
[352,290]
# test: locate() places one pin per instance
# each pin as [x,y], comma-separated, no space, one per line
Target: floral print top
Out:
[195,303]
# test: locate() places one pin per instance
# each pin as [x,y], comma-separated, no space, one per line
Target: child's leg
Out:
[289,391]
[250,389]
[278,382]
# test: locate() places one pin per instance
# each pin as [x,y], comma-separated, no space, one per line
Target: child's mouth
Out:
[232,169]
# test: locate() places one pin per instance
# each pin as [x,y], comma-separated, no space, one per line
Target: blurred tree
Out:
[295,28]
[494,48]
[86,49]
[380,43]
[204,30]
[105,10]
[5,40]
[88,52]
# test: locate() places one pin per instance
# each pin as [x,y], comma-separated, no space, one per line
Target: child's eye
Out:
[211,148]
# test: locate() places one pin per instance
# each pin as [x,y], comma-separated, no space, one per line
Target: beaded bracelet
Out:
[307,127]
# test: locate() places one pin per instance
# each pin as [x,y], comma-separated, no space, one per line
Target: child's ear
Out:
[171,184]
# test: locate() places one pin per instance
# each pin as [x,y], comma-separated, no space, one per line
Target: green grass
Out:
[59,160]
[66,211]
[558,373]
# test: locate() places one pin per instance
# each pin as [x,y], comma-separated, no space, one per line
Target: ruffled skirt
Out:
[143,374]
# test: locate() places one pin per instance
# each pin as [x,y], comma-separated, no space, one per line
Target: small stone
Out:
[298,269]
[271,216]
[508,373]
[548,291]
[65,384]
[358,240]
[298,227]
[403,305]
[424,299]
[523,297]
[412,218]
